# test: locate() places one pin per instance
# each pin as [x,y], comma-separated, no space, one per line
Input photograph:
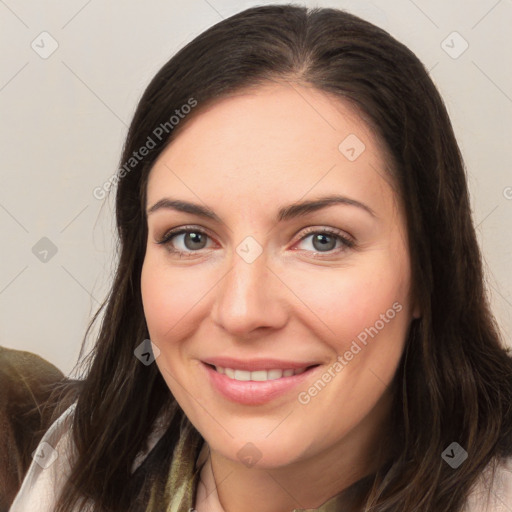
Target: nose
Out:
[249,299]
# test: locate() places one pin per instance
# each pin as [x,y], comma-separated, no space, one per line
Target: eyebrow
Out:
[285,213]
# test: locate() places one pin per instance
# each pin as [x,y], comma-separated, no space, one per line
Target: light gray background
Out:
[64,119]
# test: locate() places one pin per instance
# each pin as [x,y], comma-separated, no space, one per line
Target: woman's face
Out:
[280,315]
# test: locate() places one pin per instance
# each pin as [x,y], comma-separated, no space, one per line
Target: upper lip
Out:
[257,364]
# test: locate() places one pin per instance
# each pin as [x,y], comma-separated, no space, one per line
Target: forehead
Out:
[278,140]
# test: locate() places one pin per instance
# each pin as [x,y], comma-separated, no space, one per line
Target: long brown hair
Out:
[454,382]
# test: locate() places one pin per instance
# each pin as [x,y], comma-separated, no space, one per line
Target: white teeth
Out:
[274,374]
[242,375]
[258,375]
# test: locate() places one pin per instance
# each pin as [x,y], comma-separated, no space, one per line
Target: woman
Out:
[296,242]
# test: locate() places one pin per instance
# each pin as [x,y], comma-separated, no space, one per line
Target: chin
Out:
[262,453]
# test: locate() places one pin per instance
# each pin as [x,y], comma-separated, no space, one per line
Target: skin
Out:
[245,157]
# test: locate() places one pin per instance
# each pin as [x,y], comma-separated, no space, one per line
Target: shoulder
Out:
[50,467]
[492,492]
[53,460]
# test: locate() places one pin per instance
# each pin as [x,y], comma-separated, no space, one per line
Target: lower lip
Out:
[250,392]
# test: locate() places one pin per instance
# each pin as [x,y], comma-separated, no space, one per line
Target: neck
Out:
[307,483]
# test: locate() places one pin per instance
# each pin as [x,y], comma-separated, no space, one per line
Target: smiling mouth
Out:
[259,375]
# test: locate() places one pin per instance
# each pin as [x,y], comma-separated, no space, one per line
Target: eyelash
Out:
[347,243]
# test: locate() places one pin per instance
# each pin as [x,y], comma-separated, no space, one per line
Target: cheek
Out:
[348,303]
[366,312]
[168,296]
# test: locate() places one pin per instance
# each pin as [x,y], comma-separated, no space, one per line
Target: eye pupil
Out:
[326,242]
[193,239]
